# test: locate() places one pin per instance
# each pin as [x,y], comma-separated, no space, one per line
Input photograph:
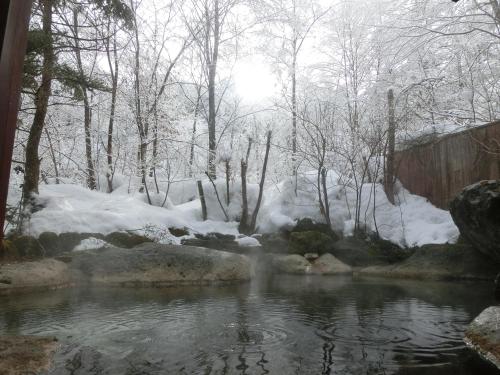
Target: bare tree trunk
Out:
[261,184]
[53,156]
[142,126]
[318,182]
[391,134]
[155,149]
[243,227]
[202,201]
[91,181]
[114,80]
[32,166]
[228,176]
[325,196]
[294,115]
[193,135]
[213,55]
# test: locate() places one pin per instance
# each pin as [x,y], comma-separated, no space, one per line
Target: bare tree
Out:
[207,28]
[32,162]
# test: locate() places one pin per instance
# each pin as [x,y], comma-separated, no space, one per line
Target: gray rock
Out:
[440,262]
[36,275]
[327,264]
[475,211]
[157,265]
[216,241]
[126,239]
[483,335]
[293,264]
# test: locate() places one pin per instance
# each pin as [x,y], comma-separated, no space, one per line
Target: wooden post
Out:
[14,21]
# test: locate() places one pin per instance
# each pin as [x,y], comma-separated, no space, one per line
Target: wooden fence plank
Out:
[440,169]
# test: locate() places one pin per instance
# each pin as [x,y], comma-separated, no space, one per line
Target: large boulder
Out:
[358,252]
[476,212]
[291,264]
[36,275]
[327,264]
[216,241]
[483,335]
[126,239]
[25,247]
[440,262]
[157,265]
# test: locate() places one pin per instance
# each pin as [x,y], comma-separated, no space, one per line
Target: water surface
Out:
[282,325]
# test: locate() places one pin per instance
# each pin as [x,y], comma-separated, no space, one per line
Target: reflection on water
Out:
[284,325]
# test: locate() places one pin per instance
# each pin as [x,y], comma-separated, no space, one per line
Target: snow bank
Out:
[413,221]
[183,191]
[72,208]
[233,210]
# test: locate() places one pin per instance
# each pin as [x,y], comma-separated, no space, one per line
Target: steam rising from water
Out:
[280,325]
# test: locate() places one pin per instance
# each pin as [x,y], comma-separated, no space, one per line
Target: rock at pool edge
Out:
[483,335]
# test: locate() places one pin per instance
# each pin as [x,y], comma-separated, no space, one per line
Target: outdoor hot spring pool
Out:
[281,325]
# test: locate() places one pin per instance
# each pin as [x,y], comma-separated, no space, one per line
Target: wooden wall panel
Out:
[440,169]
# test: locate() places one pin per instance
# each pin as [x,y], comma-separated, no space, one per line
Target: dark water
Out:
[284,325]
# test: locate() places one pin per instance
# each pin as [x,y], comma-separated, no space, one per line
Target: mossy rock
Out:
[125,239]
[310,242]
[369,251]
[68,241]
[308,225]
[178,232]
[389,251]
[50,243]
[27,246]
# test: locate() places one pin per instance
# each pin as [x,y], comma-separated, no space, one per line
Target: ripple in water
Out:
[286,325]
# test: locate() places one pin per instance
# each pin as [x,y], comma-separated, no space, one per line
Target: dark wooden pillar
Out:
[14,21]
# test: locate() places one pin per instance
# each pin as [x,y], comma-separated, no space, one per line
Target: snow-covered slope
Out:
[72,208]
[412,222]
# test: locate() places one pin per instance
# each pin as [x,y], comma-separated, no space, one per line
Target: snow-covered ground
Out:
[72,208]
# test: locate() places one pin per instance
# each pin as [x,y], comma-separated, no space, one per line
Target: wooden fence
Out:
[441,168]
